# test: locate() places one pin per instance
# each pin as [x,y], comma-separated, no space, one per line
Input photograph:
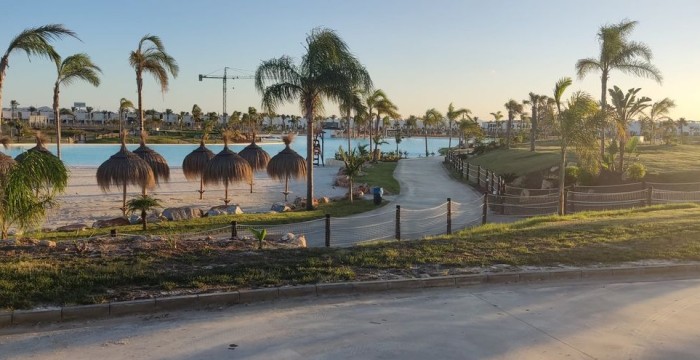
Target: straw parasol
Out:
[156,161]
[227,167]
[40,146]
[6,161]
[256,157]
[122,169]
[287,163]
[194,164]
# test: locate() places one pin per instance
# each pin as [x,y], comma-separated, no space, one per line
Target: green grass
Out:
[518,161]
[51,278]
[380,174]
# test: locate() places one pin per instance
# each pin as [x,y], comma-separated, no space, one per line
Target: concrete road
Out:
[644,320]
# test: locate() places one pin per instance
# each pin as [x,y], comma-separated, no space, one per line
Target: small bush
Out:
[572,174]
[636,171]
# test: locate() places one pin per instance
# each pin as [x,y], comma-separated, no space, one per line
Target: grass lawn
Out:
[380,174]
[31,276]
[518,161]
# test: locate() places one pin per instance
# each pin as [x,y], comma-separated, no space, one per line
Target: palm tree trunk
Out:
[143,219]
[57,119]
[622,156]
[509,124]
[562,178]
[533,128]
[201,187]
[139,88]
[449,132]
[309,156]
[286,187]
[226,199]
[252,178]
[124,201]
[3,68]
[426,140]
[350,189]
[603,106]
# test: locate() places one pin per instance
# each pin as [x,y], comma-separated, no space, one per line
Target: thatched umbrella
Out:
[227,167]
[122,169]
[287,163]
[256,157]
[194,164]
[6,161]
[40,146]
[156,161]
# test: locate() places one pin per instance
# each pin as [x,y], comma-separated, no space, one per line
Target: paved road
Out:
[644,320]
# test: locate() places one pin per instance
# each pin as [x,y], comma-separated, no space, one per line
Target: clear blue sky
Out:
[423,53]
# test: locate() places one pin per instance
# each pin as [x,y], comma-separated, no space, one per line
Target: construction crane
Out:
[224,78]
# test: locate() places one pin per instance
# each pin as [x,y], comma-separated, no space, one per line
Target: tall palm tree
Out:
[73,68]
[378,101]
[514,108]
[534,102]
[352,103]
[617,52]
[576,121]
[33,41]
[432,117]
[657,112]
[682,122]
[150,57]
[452,115]
[497,116]
[411,124]
[626,108]
[327,70]
[124,105]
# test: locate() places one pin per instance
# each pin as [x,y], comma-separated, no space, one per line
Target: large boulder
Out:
[225,210]
[72,227]
[300,202]
[299,241]
[280,207]
[342,181]
[120,221]
[182,213]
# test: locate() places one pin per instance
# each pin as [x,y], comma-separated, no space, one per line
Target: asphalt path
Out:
[598,320]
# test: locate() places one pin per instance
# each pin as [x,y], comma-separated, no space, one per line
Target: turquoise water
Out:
[94,155]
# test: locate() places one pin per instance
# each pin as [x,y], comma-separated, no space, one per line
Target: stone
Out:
[547,184]
[358,194]
[288,237]
[342,181]
[182,213]
[301,202]
[120,221]
[299,241]
[225,210]
[280,207]
[72,227]
[325,200]
[134,219]
[47,243]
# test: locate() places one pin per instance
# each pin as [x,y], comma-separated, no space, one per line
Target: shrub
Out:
[572,174]
[636,171]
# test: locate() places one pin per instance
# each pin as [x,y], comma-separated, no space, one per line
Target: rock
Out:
[10,242]
[324,200]
[72,227]
[280,207]
[299,241]
[301,202]
[342,181]
[134,219]
[225,210]
[47,243]
[547,184]
[358,194]
[288,237]
[120,221]
[182,213]
[154,218]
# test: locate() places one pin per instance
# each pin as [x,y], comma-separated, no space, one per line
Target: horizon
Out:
[506,50]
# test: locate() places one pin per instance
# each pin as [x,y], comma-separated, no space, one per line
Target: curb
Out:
[203,301]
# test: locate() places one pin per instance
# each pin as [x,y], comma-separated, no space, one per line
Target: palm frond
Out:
[35,41]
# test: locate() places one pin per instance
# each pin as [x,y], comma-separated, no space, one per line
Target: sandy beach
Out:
[84,202]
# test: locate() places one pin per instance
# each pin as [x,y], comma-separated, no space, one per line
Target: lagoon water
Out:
[92,155]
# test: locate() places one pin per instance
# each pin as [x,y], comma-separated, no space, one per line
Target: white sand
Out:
[84,202]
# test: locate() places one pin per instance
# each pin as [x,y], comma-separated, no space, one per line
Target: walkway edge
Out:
[209,300]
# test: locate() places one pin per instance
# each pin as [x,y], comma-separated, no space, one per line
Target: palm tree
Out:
[380,102]
[352,103]
[196,113]
[432,117]
[534,102]
[617,52]
[72,68]
[353,165]
[452,115]
[657,112]
[576,124]
[124,105]
[327,70]
[411,124]
[626,108]
[497,116]
[142,204]
[33,41]
[514,108]
[150,57]
[682,122]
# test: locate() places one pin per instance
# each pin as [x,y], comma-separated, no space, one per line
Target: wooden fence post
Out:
[478,176]
[398,223]
[485,209]
[234,229]
[328,230]
[449,216]
[467,171]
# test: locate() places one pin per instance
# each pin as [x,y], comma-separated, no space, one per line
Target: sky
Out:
[423,53]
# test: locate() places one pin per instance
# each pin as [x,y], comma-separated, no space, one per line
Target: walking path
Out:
[593,320]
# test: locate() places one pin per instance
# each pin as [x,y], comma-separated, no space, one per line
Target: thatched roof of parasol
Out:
[227,167]
[125,168]
[287,163]
[255,155]
[156,161]
[40,146]
[6,161]
[195,162]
